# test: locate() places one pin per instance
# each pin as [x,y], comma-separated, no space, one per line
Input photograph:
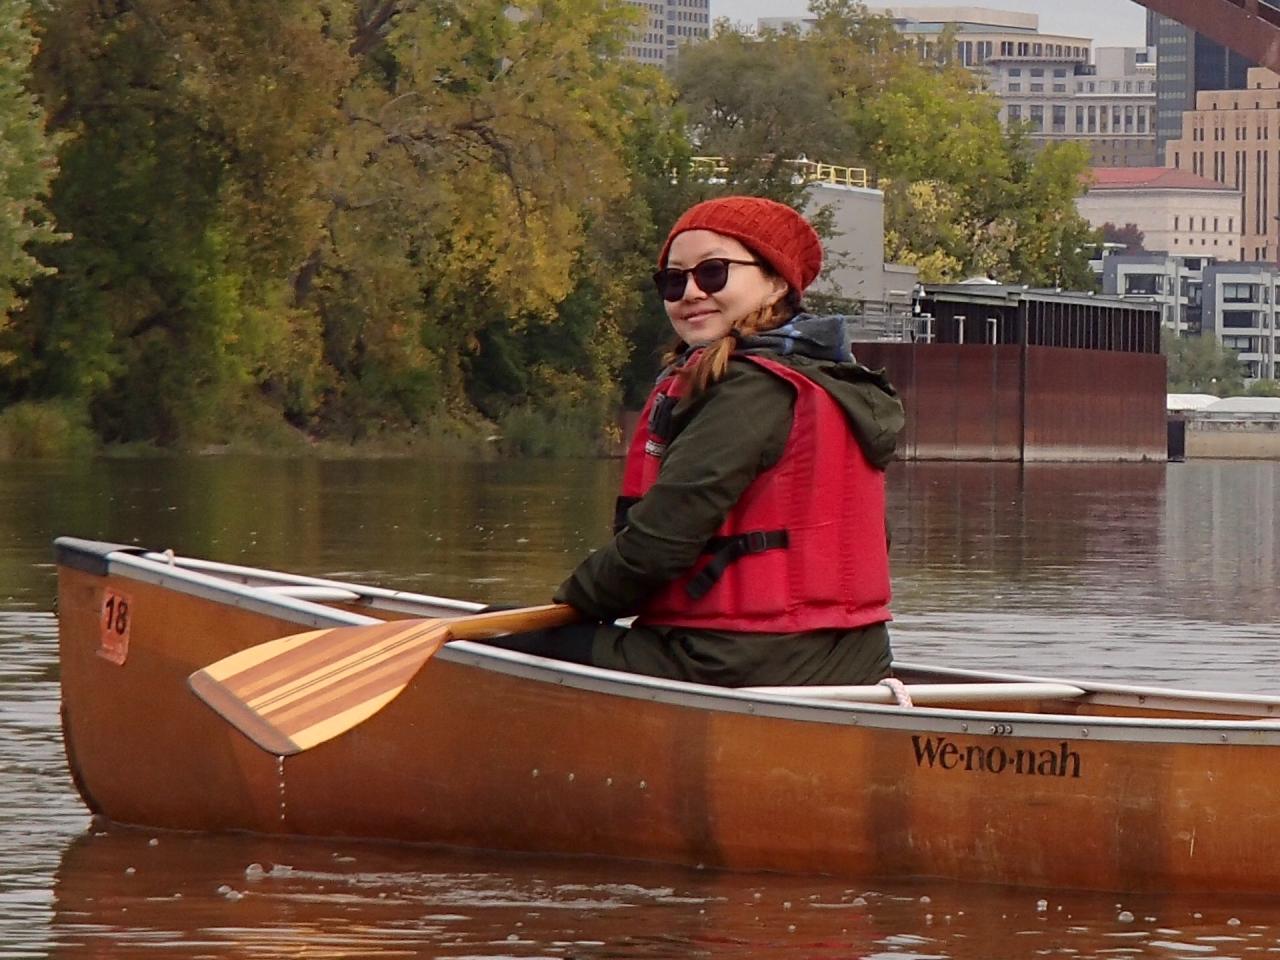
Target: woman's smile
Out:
[701,317]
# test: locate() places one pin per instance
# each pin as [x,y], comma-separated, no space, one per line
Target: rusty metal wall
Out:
[963,401]
[1245,26]
[1094,405]
[968,401]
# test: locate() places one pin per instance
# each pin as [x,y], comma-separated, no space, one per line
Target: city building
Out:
[1186,63]
[1240,301]
[1113,107]
[667,26]
[1049,83]
[1233,137]
[1032,73]
[1234,302]
[982,37]
[1178,212]
[1172,282]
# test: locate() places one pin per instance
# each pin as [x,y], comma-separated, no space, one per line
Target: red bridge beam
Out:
[1249,27]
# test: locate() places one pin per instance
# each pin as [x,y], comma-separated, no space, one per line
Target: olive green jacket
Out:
[722,440]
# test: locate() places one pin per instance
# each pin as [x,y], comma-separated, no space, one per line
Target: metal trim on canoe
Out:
[916,719]
[88,556]
[244,587]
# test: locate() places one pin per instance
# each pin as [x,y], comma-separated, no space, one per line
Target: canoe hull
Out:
[490,752]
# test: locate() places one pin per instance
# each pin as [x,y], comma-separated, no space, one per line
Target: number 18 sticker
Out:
[113,623]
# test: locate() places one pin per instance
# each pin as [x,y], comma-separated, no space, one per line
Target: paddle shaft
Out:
[481,626]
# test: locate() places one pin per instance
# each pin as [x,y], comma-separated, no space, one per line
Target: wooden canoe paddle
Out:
[290,694]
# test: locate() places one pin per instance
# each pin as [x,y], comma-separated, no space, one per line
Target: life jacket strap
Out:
[727,550]
[620,508]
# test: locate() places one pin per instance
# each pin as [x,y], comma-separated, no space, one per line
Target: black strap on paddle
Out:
[727,550]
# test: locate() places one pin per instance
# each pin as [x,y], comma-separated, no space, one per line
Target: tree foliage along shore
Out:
[363,218]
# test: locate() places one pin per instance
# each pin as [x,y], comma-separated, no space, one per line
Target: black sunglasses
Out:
[710,275]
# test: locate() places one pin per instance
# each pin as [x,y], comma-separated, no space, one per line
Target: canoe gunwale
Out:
[944,720]
[1104,693]
[240,586]
[155,568]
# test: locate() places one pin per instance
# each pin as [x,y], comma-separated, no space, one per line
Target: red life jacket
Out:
[803,548]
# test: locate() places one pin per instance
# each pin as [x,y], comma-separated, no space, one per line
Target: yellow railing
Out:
[815,172]
[809,171]
[715,166]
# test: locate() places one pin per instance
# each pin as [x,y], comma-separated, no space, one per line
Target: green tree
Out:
[339,214]
[27,165]
[910,118]
[1130,234]
[777,105]
[1202,365]
[927,227]
[187,181]
[1263,388]
[1051,239]
[483,145]
[610,328]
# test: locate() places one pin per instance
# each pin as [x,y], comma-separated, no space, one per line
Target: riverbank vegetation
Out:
[1204,365]
[354,221]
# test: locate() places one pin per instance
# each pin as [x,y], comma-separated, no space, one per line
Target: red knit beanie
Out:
[772,230]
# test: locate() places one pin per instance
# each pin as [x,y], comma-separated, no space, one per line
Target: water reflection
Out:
[492,531]
[118,891]
[183,896]
[1146,573]
[1197,540]
[974,530]
[1131,572]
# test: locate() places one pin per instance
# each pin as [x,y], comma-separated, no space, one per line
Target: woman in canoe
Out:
[750,539]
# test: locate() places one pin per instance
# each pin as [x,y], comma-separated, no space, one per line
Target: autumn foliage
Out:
[357,219]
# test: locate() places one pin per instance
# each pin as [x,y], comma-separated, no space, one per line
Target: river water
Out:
[1145,573]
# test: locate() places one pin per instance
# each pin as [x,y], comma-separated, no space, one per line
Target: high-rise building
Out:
[1114,105]
[1186,63]
[667,26]
[1233,137]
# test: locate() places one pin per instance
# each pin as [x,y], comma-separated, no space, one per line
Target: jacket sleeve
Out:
[726,438]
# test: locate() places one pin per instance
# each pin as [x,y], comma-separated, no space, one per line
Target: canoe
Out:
[985,777]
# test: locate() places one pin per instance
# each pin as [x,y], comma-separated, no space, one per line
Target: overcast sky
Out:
[1109,23]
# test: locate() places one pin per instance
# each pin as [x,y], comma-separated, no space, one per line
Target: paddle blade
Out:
[291,694]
